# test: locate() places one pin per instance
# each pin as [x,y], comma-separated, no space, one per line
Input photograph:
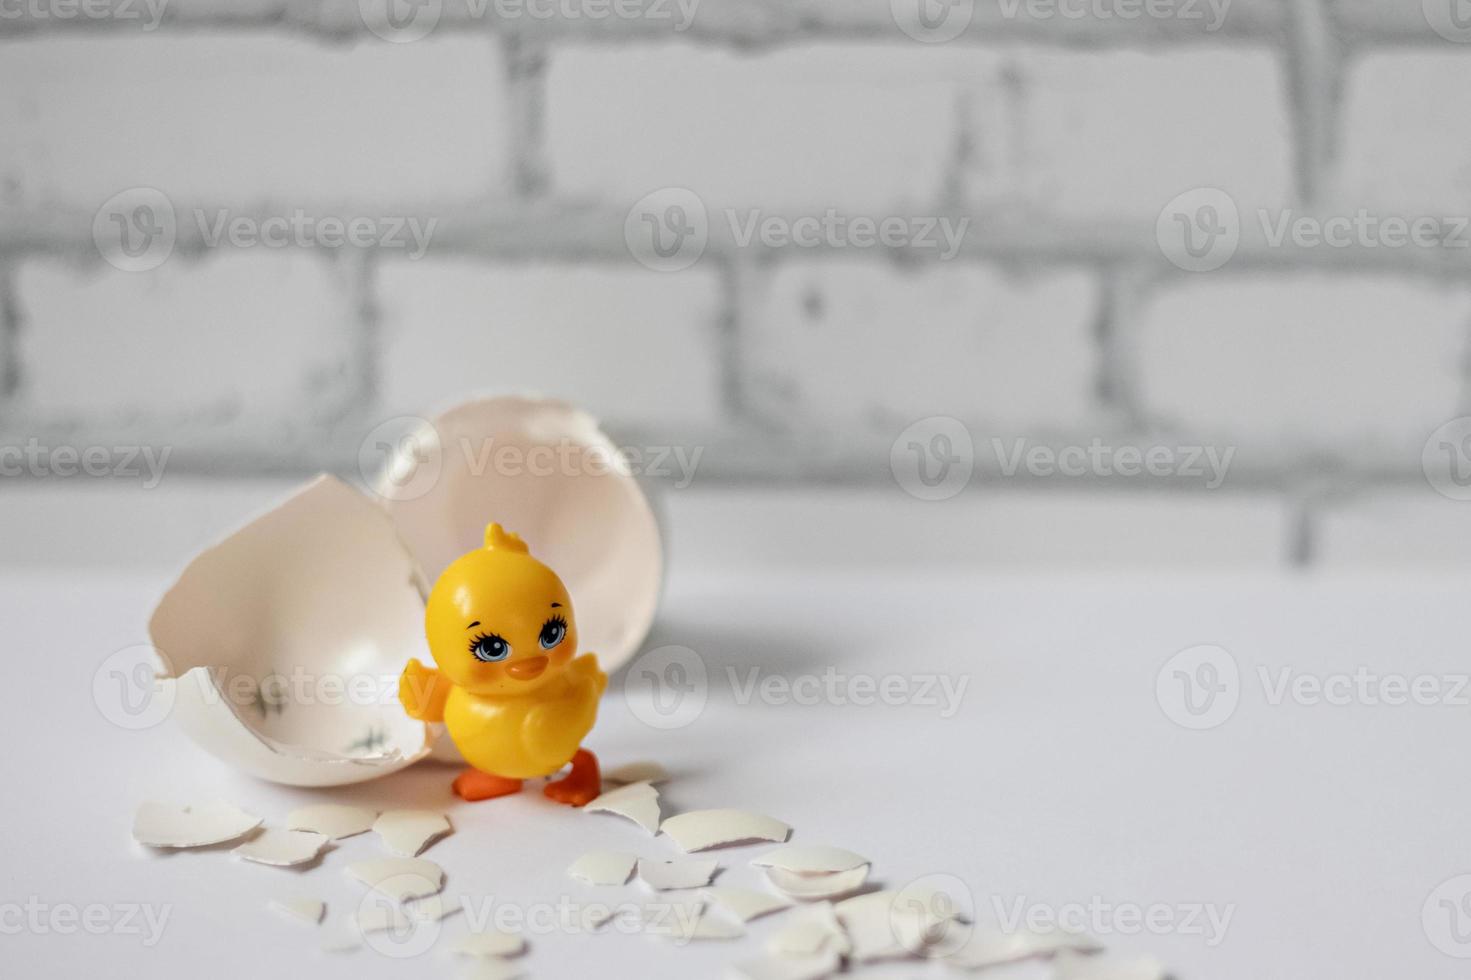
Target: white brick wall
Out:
[240,335]
[1117,134]
[856,128]
[850,345]
[1359,365]
[566,331]
[1060,318]
[1406,146]
[251,119]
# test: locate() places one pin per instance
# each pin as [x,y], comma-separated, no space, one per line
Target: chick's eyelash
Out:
[558,618]
[480,638]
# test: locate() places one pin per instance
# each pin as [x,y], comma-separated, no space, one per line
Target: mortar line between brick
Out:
[1116,381]
[1311,70]
[526,69]
[366,353]
[729,333]
[10,327]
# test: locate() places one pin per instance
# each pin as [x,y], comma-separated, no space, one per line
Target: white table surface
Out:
[1060,779]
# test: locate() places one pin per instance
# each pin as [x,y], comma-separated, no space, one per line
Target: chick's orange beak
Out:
[528,669]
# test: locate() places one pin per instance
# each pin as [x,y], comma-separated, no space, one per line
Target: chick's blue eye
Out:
[490,648]
[553,632]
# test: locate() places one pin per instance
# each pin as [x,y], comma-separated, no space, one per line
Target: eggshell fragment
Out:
[282,848]
[587,517]
[382,917]
[162,825]
[304,909]
[1069,966]
[490,943]
[884,925]
[333,819]
[489,968]
[636,772]
[814,967]
[666,875]
[401,879]
[407,832]
[700,830]
[703,925]
[809,859]
[814,886]
[273,634]
[603,867]
[991,946]
[810,931]
[638,802]
[745,903]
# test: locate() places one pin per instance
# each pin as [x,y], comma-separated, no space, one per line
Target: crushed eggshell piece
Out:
[703,925]
[407,832]
[333,819]
[810,931]
[604,867]
[282,848]
[809,859]
[384,916]
[745,903]
[1071,966]
[638,802]
[636,772]
[699,830]
[991,946]
[871,924]
[490,968]
[808,887]
[162,825]
[814,967]
[304,909]
[401,879]
[490,943]
[667,875]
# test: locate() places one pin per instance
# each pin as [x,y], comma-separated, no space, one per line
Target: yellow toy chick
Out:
[508,688]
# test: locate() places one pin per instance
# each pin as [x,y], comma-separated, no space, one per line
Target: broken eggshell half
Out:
[544,469]
[273,636]
[285,642]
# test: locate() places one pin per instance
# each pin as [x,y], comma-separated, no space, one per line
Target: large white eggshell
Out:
[590,524]
[320,587]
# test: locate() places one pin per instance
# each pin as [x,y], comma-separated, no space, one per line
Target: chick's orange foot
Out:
[582,785]
[473,785]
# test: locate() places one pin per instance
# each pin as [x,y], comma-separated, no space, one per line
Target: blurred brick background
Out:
[1062,137]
